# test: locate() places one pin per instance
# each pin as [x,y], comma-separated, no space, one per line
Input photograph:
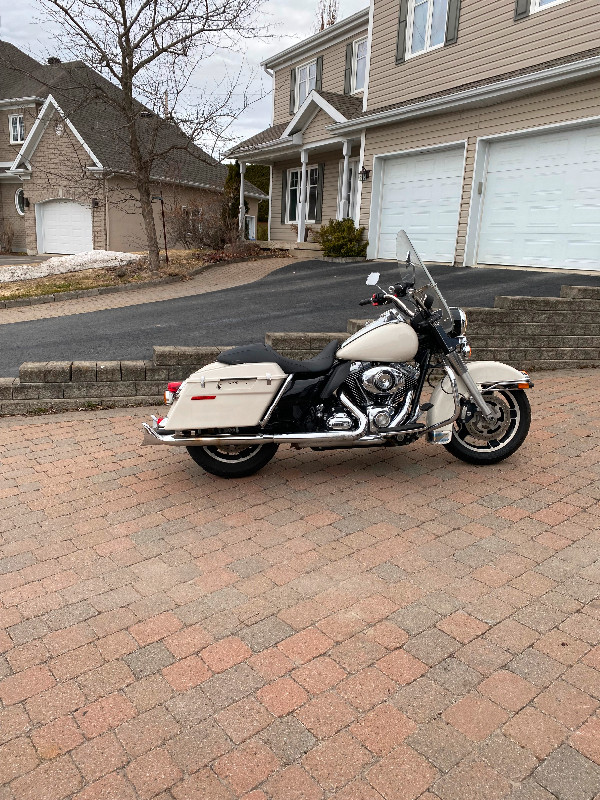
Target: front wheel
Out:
[231,461]
[479,441]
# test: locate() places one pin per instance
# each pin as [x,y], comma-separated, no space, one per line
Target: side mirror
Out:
[373,279]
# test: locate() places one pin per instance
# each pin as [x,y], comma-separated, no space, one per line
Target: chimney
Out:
[53,61]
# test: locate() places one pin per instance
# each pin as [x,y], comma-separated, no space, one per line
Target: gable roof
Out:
[340,107]
[89,103]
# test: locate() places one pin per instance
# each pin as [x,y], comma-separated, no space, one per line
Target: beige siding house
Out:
[65,176]
[474,126]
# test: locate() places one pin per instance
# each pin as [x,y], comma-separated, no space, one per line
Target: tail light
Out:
[172,390]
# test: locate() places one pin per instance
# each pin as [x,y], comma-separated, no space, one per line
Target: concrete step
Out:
[567,355]
[581,292]
[530,304]
[484,328]
[552,317]
[515,339]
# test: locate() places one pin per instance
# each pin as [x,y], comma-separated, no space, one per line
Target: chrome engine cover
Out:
[386,380]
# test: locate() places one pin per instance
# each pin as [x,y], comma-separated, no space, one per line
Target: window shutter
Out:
[452,24]
[402,25]
[283,195]
[348,70]
[319,75]
[320,178]
[522,8]
[292,92]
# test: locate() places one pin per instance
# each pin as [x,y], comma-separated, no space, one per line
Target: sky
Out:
[289,21]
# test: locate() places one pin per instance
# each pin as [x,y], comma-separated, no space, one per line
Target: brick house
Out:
[65,174]
[475,126]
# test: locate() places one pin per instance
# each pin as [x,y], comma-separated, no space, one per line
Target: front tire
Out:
[230,461]
[476,441]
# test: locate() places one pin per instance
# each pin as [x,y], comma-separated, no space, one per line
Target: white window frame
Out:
[355,65]
[17,193]
[287,195]
[535,5]
[306,66]
[354,163]
[410,27]
[20,126]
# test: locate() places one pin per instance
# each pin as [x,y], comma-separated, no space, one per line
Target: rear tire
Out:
[233,462]
[475,442]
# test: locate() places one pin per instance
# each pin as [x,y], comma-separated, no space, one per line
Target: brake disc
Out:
[479,427]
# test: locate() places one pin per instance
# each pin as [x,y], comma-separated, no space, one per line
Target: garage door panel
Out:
[541,205]
[421,194]
[66,227]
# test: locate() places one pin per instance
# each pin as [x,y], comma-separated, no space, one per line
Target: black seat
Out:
[262,353]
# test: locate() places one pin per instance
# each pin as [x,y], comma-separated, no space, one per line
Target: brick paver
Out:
[220,276]
[369,625]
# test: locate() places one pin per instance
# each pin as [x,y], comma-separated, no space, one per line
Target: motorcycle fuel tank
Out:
[382,340]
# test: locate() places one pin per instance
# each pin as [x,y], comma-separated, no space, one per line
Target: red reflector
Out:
[205,397]
[159,420]
[173,386]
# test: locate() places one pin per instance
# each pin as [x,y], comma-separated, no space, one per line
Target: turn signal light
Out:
[522,386]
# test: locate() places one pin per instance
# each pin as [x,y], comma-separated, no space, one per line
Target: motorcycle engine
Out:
[382,392]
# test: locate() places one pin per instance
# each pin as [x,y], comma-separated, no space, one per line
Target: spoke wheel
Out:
[233,461]
[480,441]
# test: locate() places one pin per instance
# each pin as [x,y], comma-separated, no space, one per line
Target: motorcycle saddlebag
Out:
[222,396]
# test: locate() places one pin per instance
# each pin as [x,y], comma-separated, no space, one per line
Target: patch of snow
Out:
[58,265]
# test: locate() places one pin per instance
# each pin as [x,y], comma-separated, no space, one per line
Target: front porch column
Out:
[302,208]
[344,209]
[242,218]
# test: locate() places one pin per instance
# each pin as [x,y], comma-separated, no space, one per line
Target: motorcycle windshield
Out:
[414,271]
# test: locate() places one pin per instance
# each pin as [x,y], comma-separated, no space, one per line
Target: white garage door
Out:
[421,194]
[541,204]
[64,227]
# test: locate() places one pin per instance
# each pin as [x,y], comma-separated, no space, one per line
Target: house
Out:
[473,125]
[66,181]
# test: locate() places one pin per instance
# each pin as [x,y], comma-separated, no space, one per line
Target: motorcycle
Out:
[233,414]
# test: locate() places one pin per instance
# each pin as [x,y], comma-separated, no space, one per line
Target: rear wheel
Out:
[233,461]
[479,441]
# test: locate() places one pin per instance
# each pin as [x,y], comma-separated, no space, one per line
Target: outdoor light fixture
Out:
[364,175]
[95,202]
[26,202]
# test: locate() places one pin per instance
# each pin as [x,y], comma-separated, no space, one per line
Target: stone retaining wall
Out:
[530,333]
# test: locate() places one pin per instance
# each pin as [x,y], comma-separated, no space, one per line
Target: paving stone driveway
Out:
[348,625]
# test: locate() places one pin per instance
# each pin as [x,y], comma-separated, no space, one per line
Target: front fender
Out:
[482,372]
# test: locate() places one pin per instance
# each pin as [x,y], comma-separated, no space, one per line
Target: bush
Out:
[202,226]
[262,232]
[340,238]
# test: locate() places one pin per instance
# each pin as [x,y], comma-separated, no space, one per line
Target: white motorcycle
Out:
[232,415]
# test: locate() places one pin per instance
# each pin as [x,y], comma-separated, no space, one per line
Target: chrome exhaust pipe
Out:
[153,436]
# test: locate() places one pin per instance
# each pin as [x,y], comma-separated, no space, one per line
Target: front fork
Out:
[455,360]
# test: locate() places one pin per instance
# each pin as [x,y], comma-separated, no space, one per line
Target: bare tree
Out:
[148,53]
[327,13]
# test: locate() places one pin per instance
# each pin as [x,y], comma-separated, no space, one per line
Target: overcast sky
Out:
[289,20]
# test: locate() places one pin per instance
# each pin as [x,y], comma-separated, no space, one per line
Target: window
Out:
[427,21]
[306,81]
[20,202]
[359,65]
[17,128]
[538,5]
[293,198]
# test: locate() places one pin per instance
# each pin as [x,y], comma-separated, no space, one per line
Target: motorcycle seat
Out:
[262,353]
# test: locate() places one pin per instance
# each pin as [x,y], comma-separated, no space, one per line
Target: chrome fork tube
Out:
[458,365]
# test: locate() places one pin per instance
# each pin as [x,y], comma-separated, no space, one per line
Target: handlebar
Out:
[381,299]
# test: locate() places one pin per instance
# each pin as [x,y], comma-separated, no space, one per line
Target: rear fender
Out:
[483,373]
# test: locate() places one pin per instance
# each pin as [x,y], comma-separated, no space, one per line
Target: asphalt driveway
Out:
[302,296]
